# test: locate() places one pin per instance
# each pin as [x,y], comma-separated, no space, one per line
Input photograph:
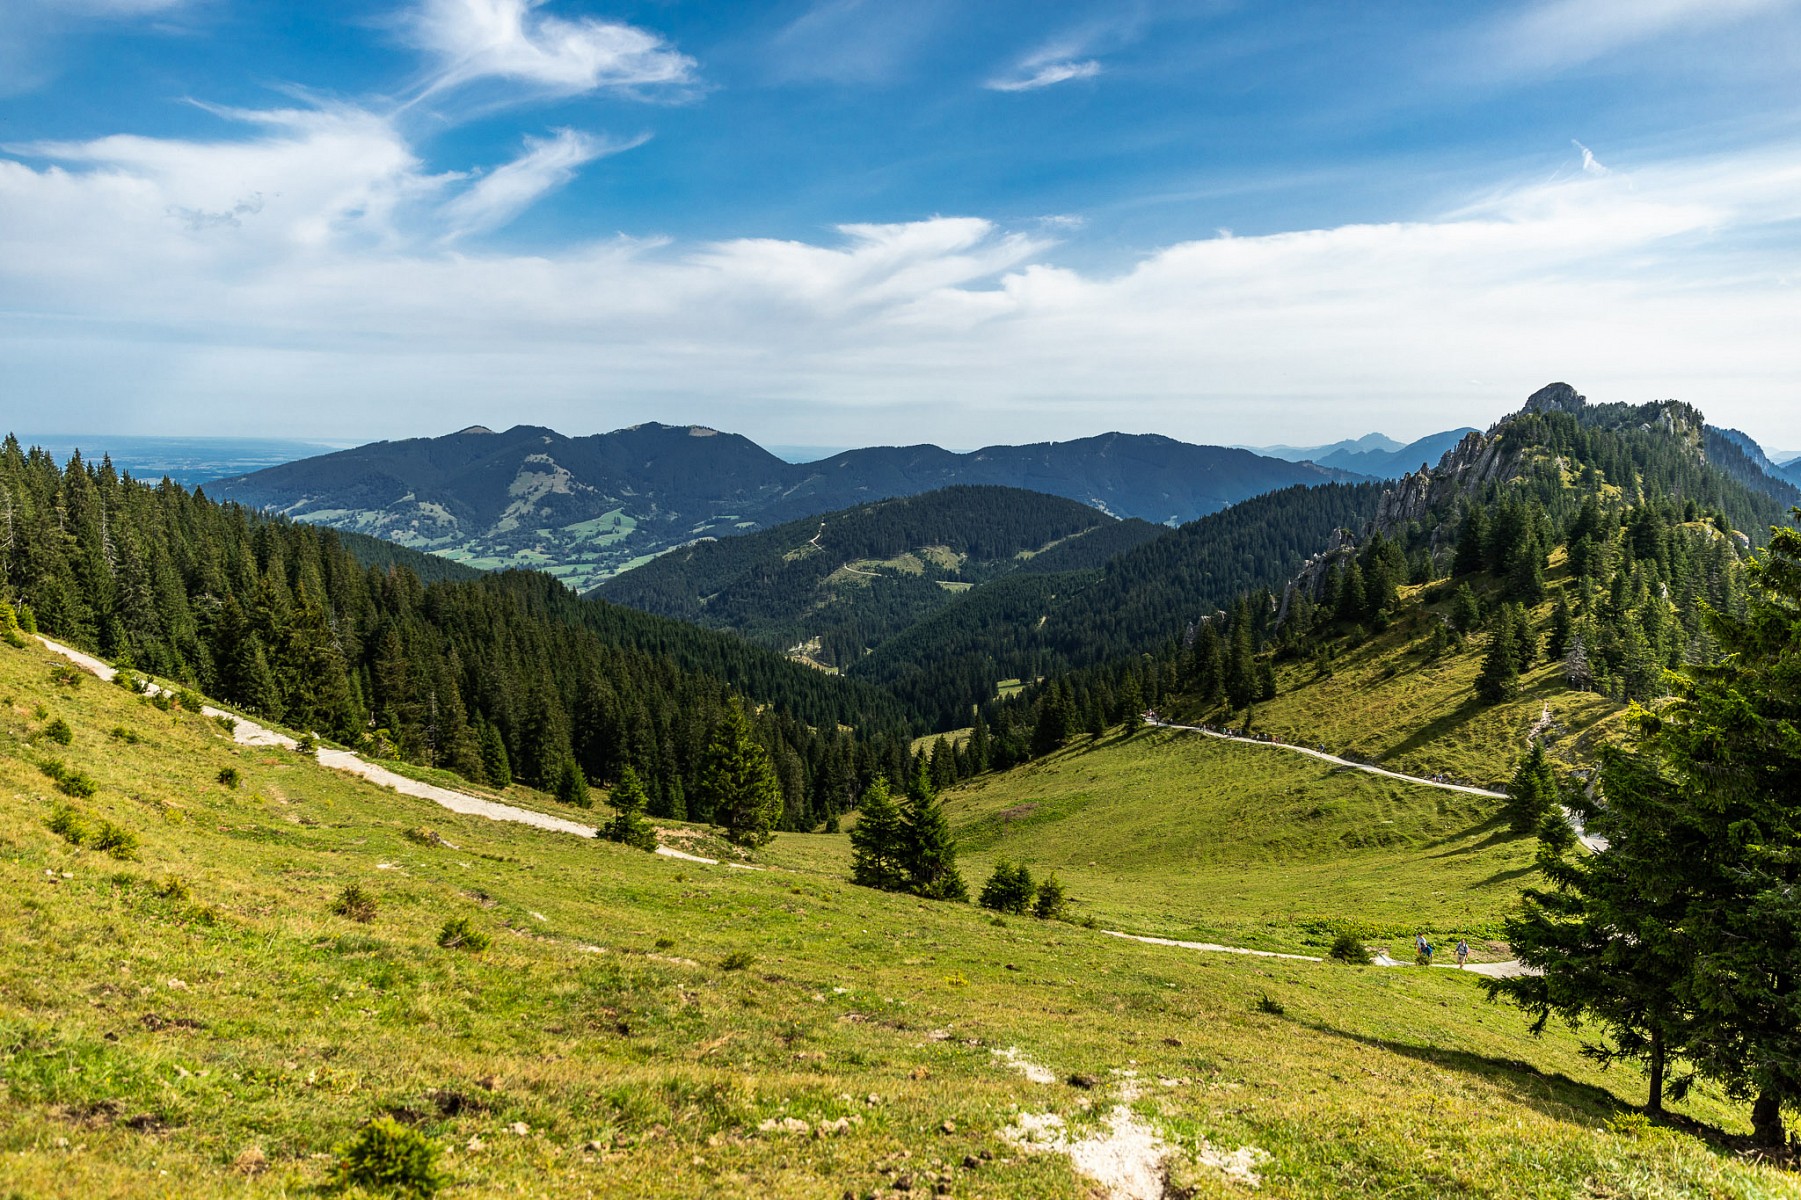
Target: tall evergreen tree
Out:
[1533,791]
[1500,676]
[628,825]
[930,851]
[738,781]
[877,858]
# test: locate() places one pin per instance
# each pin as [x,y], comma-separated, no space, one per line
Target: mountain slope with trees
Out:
[841,584]
[586,508]
[497,677]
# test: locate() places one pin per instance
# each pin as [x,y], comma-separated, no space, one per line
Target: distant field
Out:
[1183,835]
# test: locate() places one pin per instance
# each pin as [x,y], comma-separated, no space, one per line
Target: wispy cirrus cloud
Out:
[1555,34]
[1042,72]
[508,190]
[514,40]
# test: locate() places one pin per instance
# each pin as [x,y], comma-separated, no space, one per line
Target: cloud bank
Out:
[316,265]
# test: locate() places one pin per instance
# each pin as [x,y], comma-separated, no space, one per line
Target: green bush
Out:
[307,744]
[163,701]
[387,1156]
[116,840]
[67,675]
[59,732]
[737,960]
[189,699]
[173,887]
[459,933]
[1051,904]
[1268,1004]
[228,724]
[1009,889]
[67,823]
[130,737]
[356,903]
[1347,947]
[69,781]
[228,776]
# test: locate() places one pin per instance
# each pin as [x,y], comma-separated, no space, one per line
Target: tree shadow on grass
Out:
[1497,833]
[1434,729]
[1554,1094]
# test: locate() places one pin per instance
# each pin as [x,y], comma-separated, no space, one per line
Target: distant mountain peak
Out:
[474,429]
[1556,397]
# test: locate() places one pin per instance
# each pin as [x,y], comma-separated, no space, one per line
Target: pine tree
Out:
[1533,792]
[628,825]
[738,782]
[1576,669]
[1606,934]
[1500,677]
[876,840]
[930,852]
[1466,610]
[1557,641]
[572,785]
[1009,889]
[497,771]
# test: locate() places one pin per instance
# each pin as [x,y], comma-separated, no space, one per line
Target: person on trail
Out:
[1463,953]
[1424,947]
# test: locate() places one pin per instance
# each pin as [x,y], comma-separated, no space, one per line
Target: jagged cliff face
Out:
[1484,458]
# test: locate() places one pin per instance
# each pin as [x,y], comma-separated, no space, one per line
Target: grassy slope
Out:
[146,1041]
[1182,835]
[1385,702]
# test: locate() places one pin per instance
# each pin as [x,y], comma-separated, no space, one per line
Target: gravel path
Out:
[249,733]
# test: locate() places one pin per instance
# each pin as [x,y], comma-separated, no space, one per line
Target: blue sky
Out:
[852,221]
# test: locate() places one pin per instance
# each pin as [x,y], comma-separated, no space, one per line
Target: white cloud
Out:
[509,190]
[1554,34]
[513,40]
[1590,164]
[1035,75]
[301,277]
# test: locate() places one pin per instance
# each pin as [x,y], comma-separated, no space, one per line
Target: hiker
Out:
[1424,947]
[1463,953]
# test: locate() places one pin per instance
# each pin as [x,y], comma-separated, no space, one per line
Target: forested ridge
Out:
[500,677]
[843,582]
[1027,628]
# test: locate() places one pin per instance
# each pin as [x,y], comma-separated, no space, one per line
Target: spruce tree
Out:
[572,785]
[738,783]
[876,840]
[628,825]
[1533,792]
[929,850]
[497,771]
[1500,677]
[1009,889]
[1607,932]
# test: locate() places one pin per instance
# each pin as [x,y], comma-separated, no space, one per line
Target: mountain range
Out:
[1374,454]
[586,508]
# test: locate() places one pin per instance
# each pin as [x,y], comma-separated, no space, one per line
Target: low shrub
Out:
[163,701]
[130,737]
[228,724]
[69,781]
[1347,947]
[386,1156]
[737,960]
[59,732]
[1268,1004]
[356,903]
[67,823]
[189,699]
[307,745]
[67,675]
[228,776]
[116,840]
[459,933]
[173,887]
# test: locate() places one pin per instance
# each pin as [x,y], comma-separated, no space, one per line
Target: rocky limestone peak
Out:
[1555,397]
